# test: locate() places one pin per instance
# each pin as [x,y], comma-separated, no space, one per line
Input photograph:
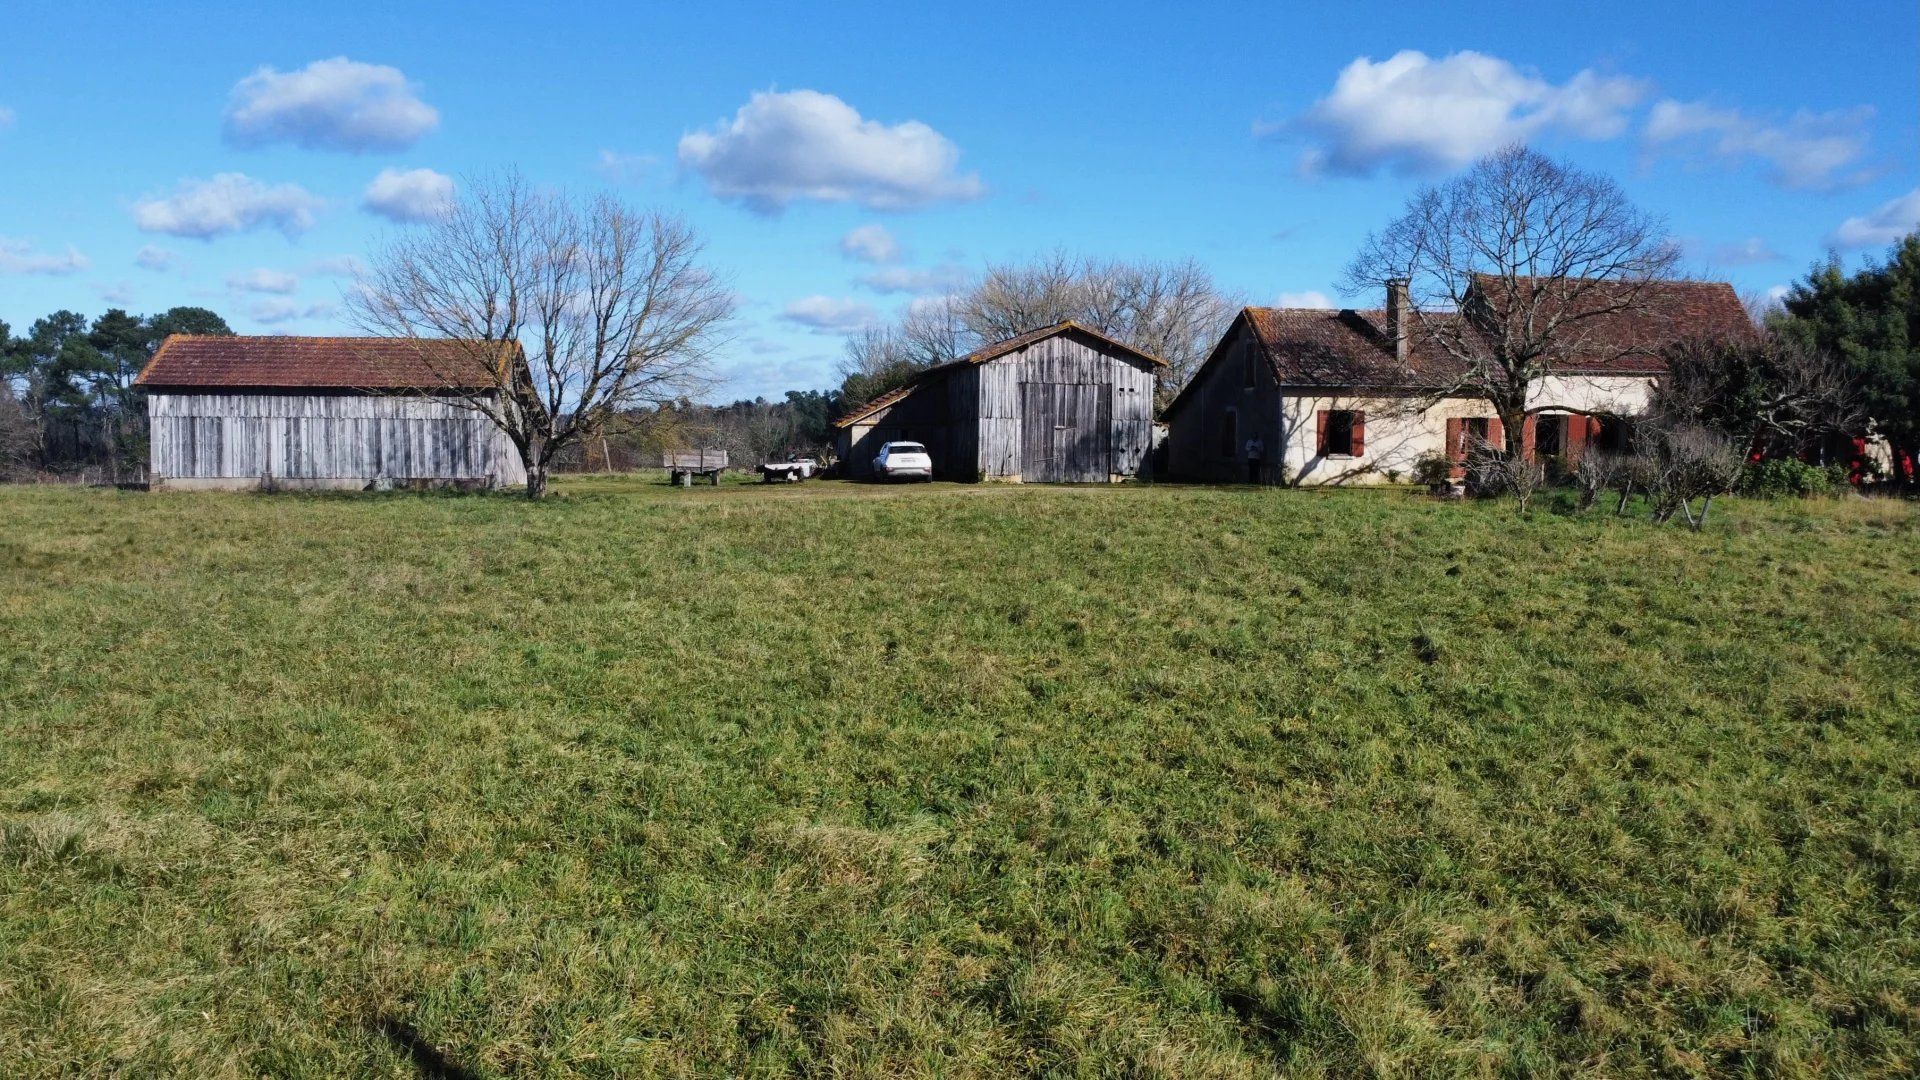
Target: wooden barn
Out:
[318,412]
[1062,404]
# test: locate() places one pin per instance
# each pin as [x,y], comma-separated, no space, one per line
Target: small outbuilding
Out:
[1061,404]
[320,412]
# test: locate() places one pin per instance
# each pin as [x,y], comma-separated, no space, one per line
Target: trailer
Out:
[791,471]
[683,465]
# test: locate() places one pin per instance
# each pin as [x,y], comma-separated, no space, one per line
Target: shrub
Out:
[1431,468]
[1789,478]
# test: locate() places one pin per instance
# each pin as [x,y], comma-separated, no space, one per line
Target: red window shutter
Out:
[1526,436]
[1456,440]
[1497,433]
[1576,436]
[1359,434]
[1320,432]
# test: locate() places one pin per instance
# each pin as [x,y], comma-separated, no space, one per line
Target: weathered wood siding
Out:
[1222,398]
[1063,409]
[343,438]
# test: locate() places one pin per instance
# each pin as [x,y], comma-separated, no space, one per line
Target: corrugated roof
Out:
[285,362]
[986,353]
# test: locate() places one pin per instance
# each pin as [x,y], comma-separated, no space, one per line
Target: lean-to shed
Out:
[1061,404]
[320,412]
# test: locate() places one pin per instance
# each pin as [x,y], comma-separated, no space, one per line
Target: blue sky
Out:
[154,155]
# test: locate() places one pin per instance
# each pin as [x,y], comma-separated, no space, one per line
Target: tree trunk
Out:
[537,480]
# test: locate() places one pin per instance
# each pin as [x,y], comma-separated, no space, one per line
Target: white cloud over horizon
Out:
[227,203]
[1414,114]
[263,280]
[21,257]
[336,104]
[621,168]
[870,244]
[1888,224]
[784,147]
[1307,298]
[280,309]
[945,278]
[155,258]
[1807,151]
[830,315]
[1752,251]
[408,196]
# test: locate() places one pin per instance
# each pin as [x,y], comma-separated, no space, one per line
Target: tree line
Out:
[67,398]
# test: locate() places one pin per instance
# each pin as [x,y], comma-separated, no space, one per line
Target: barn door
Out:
[1039,449]
[1085,431]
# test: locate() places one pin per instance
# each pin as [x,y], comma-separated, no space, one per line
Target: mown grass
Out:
[960,781]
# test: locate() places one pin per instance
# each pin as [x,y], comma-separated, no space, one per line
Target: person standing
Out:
[1256,454]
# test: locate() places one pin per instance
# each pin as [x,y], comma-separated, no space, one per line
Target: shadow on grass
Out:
[425,1056]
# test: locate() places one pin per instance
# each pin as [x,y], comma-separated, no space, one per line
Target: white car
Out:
[903,460]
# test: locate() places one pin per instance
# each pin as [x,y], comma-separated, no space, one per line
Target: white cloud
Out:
[1892,221]
[1777,293]
[117,294]
[7,118]
[625,168]
[155,258]
[413,195]
[1808,151]
[338,266]
[870,244]
[264,280]
[945,278]
[336,104]
[19,257]
[281,309]
[827,315]
[1751,251]
[1310,298]
[228,203]
[1416,114]
[803,144]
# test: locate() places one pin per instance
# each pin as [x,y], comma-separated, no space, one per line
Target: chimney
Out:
[1399,314]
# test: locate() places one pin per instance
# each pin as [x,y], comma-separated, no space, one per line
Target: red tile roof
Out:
[988,352]
[349,363]
[1322,347]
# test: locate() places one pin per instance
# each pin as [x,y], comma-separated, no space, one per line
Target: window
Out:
[1550,435]
[1473,433]
[1337,433]
[1250,367]
[1229,433]
[1613,435]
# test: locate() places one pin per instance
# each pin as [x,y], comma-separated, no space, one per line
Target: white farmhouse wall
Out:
[1396,435]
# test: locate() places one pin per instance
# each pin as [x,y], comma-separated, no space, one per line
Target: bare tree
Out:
[1772,394]
[1684,462]
[558,312]
[1514,272]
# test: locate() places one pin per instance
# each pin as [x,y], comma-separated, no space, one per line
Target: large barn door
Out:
[1066,433]
[1039,457]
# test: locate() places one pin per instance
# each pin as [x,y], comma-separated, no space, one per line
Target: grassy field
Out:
[960,781]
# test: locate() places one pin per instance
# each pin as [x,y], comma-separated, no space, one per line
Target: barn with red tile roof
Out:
[1321,396]
[324,412]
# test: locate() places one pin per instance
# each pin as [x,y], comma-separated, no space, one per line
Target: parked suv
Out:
[903,460]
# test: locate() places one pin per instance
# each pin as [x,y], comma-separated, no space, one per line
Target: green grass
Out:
[954,780]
